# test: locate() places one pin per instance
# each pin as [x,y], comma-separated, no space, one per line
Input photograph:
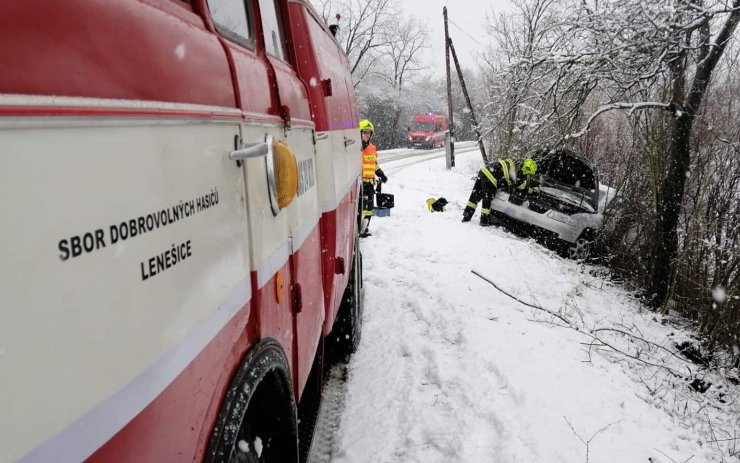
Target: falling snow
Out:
[180,51]
[719,295]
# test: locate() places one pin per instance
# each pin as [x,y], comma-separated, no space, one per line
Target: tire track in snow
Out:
[419,382]
[329,419]
[439,321]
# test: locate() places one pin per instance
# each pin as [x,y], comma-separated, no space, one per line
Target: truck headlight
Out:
[429,138]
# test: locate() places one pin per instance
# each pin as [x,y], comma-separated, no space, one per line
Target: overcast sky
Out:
[467,27]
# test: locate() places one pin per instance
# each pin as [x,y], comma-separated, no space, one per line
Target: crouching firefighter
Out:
[501,174]
[370,170]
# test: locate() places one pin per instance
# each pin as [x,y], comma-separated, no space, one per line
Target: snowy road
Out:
[450,369]
[392,161]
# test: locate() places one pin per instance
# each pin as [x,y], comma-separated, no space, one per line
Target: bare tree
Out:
[529,95]
[705,54]
[401,61]
[408,39]
[364,29]
[385,53]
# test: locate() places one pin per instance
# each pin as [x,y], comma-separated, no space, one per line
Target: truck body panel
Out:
[141,263]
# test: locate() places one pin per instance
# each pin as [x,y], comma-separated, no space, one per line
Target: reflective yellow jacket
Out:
[369,162]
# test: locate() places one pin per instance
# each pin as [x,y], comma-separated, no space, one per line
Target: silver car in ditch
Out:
[566,211]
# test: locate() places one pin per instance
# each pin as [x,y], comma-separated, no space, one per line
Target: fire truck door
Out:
[303,214]
[284,239]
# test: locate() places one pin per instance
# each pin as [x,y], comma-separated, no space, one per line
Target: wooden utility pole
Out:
[451,155]
[470,105]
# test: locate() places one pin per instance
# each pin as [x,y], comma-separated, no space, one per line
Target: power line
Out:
[463,31]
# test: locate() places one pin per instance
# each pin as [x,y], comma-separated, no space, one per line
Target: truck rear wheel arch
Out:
[258,418]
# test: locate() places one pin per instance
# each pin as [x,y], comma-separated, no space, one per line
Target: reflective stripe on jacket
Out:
[507,168]
[487,172]
[369,162]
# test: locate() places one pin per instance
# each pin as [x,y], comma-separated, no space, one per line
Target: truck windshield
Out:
[422,127]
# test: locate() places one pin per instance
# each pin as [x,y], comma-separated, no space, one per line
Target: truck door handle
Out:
[250,151]
[348,141]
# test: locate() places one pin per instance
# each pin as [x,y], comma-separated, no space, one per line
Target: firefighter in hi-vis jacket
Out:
[501,174]
[370,170]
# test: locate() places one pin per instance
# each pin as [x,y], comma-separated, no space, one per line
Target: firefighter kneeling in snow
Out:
[369,170]
[501,174]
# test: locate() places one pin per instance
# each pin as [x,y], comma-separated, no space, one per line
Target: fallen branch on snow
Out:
[554,314]
[590,333]
[587,443]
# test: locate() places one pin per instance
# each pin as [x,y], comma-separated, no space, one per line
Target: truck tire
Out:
[345,335]
[257,422]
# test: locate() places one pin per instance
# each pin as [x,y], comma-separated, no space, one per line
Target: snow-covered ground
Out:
[450,369]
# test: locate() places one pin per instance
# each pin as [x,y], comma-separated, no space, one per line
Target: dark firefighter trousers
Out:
[368,200]
[483,192]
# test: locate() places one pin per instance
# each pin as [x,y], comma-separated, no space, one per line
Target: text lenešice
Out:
[88,242]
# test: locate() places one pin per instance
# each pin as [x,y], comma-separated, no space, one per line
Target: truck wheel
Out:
[345,335]
[257,422]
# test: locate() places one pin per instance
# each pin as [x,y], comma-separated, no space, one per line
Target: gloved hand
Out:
[383,178]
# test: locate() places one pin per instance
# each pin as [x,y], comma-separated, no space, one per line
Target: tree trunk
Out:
[665,246]
[397,140]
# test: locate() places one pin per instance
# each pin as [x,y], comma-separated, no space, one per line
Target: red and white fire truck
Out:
[180,181]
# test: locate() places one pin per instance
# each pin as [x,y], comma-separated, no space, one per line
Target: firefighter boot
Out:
[468,214]
[365,228]
[486,220]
